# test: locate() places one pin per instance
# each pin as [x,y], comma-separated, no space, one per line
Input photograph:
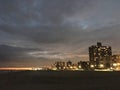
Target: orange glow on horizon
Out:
[15,68]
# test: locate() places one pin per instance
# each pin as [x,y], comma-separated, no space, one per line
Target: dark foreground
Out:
[59,80]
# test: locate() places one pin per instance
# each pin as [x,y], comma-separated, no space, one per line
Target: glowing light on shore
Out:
[114,64]
[17,69]
[92,66]
[101,66]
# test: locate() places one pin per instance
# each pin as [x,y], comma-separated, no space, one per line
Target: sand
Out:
[59,80]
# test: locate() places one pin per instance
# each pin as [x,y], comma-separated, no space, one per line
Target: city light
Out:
[92,66]
[79,66]
[114,64]
[100,59]
[101,66]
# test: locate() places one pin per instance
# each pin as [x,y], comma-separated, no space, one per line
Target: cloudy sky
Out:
[39,32]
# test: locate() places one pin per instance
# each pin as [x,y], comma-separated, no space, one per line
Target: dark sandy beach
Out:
[59,80]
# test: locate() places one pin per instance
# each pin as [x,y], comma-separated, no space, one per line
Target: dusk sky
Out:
[40,32]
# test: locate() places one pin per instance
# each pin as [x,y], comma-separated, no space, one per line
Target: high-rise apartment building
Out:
[100,56]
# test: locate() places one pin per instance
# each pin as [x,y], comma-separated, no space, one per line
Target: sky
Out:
[37,33]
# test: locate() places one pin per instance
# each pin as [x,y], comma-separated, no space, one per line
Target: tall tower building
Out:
[100,56]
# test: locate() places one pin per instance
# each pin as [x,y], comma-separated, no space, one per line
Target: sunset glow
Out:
[16,69]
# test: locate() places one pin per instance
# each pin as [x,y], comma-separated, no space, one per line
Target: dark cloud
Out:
[14,53]
[17,56]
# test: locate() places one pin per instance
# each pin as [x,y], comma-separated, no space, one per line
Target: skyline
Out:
[39,32]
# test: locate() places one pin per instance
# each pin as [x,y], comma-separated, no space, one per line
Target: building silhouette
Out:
[115,58]
[100,56]
[60,65]
[69,64]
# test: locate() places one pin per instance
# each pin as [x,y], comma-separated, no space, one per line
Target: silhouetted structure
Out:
[100,56]
[100,59]
[60,65]
[115,58]
[69,63]
[84,65]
